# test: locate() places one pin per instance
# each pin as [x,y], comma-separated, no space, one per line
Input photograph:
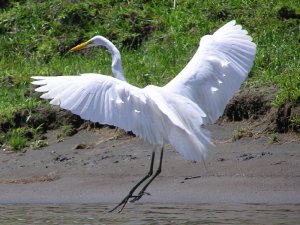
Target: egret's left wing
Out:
[152,115]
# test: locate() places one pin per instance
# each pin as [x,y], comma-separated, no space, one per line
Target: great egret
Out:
[171,114]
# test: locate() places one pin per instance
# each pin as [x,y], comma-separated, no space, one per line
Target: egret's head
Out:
[95,41]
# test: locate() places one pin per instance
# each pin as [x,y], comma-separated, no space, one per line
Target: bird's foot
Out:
[123,203]
[134,198]
[139,196]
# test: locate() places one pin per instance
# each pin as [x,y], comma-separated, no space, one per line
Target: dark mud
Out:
[287,12]
[256,106]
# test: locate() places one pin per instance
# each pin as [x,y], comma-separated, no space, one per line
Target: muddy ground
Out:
[101,165]
[255,160]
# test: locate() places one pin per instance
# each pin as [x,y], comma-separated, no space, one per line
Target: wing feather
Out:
[173,113]
[150,113]
[100,99]
[216,71]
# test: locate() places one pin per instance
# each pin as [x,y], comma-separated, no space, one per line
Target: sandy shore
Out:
[250,170]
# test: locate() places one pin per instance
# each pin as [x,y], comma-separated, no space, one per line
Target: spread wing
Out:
[217,70]
[102,99]
[151,114]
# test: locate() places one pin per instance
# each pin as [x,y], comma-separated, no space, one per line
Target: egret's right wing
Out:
[216,71]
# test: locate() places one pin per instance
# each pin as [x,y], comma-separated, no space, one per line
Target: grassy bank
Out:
[155,40]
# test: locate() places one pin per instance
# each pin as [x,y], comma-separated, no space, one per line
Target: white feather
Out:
[174,113]
[220,65]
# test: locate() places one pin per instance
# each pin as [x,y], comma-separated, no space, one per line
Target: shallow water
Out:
[150,214]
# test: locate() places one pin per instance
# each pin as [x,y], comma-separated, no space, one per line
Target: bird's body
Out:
[171,114]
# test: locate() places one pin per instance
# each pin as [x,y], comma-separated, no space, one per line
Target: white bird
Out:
[171,114]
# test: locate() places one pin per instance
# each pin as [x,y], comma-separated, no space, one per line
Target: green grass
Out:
[241,132]
[156,42]
[17,139]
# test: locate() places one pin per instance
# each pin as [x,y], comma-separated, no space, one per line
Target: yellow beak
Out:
[79,47]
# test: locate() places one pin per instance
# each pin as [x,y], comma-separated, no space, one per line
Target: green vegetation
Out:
[155,40]
[295,123]
[241,132]
[38,144]
[17,139]
[274,139]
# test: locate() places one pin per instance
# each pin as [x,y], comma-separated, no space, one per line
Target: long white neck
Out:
[116,65]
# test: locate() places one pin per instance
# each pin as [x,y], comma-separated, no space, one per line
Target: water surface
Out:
[87,214]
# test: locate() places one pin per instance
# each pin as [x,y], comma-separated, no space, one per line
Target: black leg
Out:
[158,171]
[130,194]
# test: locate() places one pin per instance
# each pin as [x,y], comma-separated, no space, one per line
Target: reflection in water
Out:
[150,214]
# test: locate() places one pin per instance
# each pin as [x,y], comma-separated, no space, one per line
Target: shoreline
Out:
[249,170]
